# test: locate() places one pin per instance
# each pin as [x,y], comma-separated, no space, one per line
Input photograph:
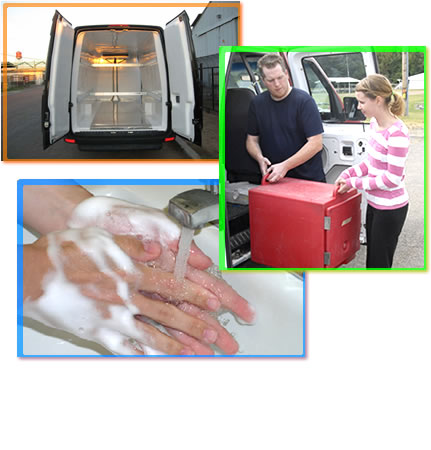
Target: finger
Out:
[152,280]
[140,338]
[196,259]
[224,341]
[197,347]
[273,176]
[169,315]
[138,249]
[114,341]
[228,297]
[152,338]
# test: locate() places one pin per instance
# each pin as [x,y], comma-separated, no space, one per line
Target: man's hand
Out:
[277,172]
[264,163]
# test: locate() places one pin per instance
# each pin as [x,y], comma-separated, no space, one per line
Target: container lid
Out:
[301,190]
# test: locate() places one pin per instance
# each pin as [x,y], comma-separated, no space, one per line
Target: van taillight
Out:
[169,139]
[70,141]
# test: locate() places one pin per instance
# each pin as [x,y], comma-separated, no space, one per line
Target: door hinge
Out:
[327,258]
[46,123]
[196,121]
[70,106]
[327,223]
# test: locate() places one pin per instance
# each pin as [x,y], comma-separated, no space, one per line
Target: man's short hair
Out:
[269,61]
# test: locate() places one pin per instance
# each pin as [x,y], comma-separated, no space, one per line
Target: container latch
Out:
[327,223]
[327,258]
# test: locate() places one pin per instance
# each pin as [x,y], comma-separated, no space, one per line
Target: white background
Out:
[365,383]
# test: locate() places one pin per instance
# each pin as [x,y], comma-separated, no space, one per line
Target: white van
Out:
[114,87]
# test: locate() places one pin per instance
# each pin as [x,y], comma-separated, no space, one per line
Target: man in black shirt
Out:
[284,132]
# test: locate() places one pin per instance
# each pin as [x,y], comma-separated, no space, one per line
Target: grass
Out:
[416,115]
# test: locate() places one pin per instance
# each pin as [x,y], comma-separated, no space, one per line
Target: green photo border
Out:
[270,49]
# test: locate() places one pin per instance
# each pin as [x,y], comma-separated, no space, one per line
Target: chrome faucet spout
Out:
[194,208]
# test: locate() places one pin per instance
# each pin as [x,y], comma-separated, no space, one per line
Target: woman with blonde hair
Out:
[382,174]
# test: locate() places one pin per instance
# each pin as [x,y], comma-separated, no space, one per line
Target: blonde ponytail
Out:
[397,105]
[379,86]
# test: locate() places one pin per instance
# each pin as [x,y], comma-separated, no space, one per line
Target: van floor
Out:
[119,115]
[23,139]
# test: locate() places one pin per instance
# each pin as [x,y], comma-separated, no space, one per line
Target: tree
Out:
[390,64]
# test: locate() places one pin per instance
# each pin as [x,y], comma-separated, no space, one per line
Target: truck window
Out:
[318,91]
[239,76]
[331,78]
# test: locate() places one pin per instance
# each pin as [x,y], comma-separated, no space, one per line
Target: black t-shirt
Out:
[283,128]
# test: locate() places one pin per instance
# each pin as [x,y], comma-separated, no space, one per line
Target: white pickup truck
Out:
[330,78]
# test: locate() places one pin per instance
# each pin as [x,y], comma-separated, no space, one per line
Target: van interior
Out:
[119,81]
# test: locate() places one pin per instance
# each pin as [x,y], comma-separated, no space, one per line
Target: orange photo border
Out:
[94,5]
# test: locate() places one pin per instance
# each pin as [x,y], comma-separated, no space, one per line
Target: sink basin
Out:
[277,296]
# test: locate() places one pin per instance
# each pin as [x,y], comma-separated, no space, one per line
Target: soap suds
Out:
[121,217]
[62,304]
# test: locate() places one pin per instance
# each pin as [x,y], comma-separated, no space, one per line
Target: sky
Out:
[28,28]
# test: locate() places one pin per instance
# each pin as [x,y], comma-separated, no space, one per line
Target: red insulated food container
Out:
[303,224]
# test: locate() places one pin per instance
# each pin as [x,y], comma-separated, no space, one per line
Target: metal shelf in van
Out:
[118,65]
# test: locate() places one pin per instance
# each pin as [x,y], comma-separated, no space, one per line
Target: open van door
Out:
[56,94]
[330,78]
[183,79]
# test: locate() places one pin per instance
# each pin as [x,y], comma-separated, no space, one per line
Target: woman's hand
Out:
[97,286]
[343,187]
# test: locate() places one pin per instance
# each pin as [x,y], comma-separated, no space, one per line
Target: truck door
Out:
[56,94]
[183,79]
[330,78]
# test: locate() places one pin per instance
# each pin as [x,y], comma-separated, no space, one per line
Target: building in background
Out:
[214,27]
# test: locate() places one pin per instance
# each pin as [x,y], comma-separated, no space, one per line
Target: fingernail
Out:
[213,303]
[210,336]
[187,351]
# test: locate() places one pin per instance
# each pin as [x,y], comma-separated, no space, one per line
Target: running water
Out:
[183,252]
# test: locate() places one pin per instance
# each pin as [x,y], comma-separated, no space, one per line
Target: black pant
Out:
[383,227]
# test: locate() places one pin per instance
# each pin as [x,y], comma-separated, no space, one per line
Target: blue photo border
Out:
[119,182]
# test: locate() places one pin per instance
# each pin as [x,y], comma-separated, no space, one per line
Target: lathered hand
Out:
[147,224]
[95,285]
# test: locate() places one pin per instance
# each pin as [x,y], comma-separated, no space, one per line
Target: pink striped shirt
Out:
[381,175]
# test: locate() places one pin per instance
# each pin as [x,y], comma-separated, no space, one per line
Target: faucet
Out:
[194,208]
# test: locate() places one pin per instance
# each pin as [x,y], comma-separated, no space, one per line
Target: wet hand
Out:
[227,296]
[96,286]
[123,218]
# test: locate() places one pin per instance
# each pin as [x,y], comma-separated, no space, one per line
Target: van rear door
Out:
[183,79]
[56,94]
[330,78]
